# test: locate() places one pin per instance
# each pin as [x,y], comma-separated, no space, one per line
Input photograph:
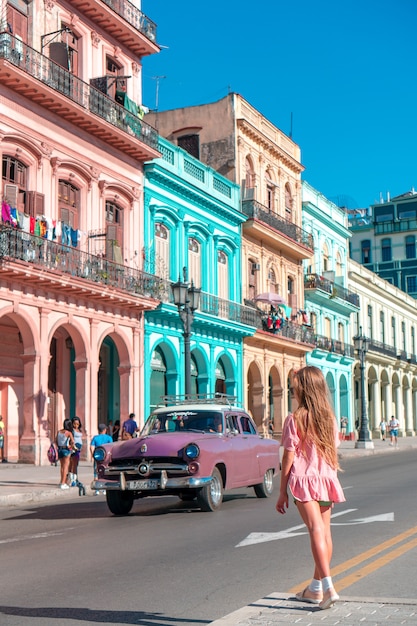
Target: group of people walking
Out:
[392,428]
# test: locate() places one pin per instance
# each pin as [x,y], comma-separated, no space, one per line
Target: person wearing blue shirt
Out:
[99,440]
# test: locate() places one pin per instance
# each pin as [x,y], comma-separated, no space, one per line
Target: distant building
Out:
[384,240]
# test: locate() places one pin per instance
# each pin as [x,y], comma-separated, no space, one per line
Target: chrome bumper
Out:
[163,482]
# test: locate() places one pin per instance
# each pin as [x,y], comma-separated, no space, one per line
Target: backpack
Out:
[52,454]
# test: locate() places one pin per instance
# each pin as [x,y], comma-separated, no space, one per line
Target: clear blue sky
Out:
[344,69]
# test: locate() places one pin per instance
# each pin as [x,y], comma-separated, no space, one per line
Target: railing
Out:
[289,330]
[334,345]
[22,246]
[382,348]
[227,309]
[314,281]
[134,16]
[252,208]
[50,73]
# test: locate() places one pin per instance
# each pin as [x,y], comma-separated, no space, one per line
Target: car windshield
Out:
[175,421]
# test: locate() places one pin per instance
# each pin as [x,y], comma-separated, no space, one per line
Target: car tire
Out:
[210,498]
[266,487]
[119,502]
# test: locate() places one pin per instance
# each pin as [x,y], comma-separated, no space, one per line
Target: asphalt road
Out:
[168,564]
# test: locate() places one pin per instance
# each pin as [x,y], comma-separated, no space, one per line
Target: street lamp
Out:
[361,344]
[186,299]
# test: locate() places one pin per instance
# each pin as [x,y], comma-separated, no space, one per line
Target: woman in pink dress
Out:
[309,470]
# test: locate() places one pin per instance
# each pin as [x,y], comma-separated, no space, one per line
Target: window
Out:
[411,284]
[288,203]
[223,275]
[393,331]
[382,326]
[69,203]
[273,286]
[369,320]
[403,339]
[115,86]
[17,19]
[413,340]
[194,261]
[325,255]
[252,279]
[341,333]
[313,322]
[366,251]
[339,264]
[190,143]
[410,247]
[249,174]
[114,232]
[386,250]
[327,328]
[161,250]
[270,191]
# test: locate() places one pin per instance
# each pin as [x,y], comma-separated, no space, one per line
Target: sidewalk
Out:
[22,483]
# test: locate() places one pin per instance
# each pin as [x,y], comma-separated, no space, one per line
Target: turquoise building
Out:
[192,227]
[328,303]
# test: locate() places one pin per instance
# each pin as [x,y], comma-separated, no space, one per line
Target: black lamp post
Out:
[361,344]
[186,299]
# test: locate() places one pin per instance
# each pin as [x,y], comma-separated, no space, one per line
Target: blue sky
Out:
[345,71]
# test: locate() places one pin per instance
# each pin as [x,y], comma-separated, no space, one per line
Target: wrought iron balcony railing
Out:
[382,348]
[334,345]
[134,16]
[314,281]
[50,73]
[229,310]
[22,246]
[253,209]
[289,330]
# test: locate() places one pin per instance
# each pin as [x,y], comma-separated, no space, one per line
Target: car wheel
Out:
[119,502]
[210,497]
[187,497]
[265,488]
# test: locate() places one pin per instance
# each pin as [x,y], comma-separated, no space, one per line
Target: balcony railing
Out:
[228,310]
[134,16]
[289,330]
[314,281]
[253,209]
[22,246]
[53,75]
[382,348]
[334,345]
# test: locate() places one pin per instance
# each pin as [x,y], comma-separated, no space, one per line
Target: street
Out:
[168,564]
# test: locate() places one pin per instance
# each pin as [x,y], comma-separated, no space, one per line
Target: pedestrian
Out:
[116,430]
[110,428]
[343,425]
[65,444]
[99,440]
[75,456]
[2,437]
[309,470]
[393,426]
[383,428]
[129,427]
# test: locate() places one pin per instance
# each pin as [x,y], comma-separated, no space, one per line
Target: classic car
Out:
[192,450]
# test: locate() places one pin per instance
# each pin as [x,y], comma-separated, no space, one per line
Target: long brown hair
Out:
[314,417]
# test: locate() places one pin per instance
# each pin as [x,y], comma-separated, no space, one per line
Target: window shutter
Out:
[35,203]
[11,195]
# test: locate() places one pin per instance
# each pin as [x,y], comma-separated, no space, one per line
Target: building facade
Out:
[72,285]
[193,223]
[388,318]
[241,144]
[328,302]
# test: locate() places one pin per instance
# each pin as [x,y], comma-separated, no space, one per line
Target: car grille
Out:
[172,466]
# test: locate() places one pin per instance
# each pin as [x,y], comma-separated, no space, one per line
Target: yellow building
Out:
[240,143]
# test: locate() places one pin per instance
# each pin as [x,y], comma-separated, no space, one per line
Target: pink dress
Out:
[311,477]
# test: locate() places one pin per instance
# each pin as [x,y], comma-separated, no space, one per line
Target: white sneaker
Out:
[65,486]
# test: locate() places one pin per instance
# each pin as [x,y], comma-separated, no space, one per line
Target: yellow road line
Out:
[364,556]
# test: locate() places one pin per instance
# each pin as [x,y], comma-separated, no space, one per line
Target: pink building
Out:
[72,285]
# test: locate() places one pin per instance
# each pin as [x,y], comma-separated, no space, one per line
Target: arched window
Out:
[223,275]
[288,203]
[158,383]
[339,267]
[272,279]
[69,203]
[194,261]
[114,232]
[249,174]
[327,328]
[313,322]
[253,268]
[325,256]
[161,250]
[15,175]
[270,191]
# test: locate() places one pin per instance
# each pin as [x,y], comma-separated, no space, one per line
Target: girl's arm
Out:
[286,465]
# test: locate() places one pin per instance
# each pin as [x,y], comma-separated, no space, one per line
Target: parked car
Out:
[194,450]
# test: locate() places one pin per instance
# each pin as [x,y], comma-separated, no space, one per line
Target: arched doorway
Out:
[255,394]
[158,383]
[108,405]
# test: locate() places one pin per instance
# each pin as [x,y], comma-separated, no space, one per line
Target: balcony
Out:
[289,330]
[334,346]
[40,80]
[37,262]
[123,21]
[289,234]
[321,289]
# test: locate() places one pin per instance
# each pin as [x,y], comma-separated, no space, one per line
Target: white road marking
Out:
[45,535]
[385,517]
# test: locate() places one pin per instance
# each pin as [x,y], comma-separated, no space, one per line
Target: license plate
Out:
[142,484]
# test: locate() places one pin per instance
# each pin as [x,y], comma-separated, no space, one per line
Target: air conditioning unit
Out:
[11,194]
[256,267]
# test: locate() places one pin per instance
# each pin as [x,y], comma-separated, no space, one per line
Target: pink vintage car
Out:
[194,451]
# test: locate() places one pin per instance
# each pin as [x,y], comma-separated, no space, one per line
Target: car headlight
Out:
[192,451]
[99,454]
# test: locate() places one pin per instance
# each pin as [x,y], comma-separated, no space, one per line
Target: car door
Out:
[243,449]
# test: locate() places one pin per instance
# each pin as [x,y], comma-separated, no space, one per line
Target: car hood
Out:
[162,444]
